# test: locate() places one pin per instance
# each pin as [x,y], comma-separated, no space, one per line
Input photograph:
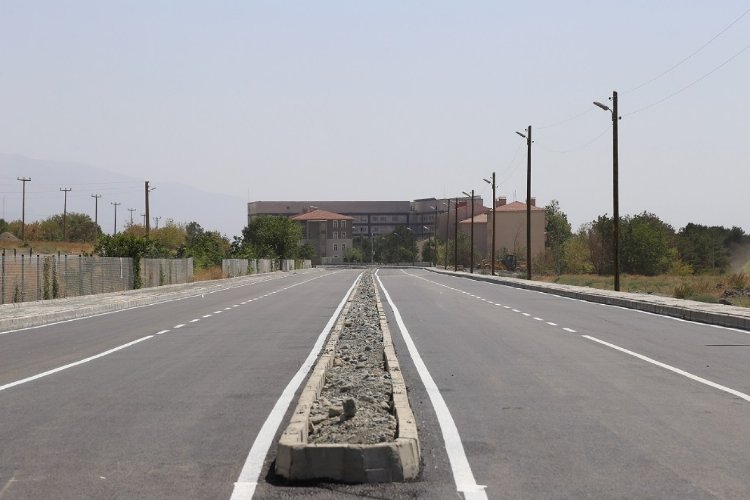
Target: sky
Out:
[391,100]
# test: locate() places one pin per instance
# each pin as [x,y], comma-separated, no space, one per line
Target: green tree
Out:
[558,231]
[207,248]
[645,244]
[705,248]
[129,245]
[78,227]
[272,237]
[3,226]
[599,238]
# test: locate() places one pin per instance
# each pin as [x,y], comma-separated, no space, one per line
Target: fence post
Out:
[80,275]
[38,287]
[2,278]
[23,279]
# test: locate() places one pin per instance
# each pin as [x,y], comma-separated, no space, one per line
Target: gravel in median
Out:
[355,405]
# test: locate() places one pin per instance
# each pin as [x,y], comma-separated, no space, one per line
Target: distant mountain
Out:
[224,213]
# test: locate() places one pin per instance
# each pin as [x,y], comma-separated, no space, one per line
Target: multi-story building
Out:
[510,229]
[329,233]
[369,218]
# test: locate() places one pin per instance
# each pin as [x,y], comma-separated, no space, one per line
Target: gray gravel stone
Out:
[355,400]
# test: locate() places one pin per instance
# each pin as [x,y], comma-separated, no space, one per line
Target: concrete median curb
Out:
[296,459]
[700,312]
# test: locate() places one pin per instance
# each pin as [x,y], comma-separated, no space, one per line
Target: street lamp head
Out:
[522,135]
[488,182]
[600,105]
[467,194]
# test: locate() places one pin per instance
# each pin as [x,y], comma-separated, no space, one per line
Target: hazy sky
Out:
[390,100]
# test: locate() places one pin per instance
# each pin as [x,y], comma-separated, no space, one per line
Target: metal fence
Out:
[39,277]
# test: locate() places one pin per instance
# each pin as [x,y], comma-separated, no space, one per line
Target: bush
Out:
[683,291]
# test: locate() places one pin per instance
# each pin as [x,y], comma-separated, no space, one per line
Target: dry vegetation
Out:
[210,273]
[705,288]
[48,247]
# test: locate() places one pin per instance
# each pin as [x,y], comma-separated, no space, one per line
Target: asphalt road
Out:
[551,397]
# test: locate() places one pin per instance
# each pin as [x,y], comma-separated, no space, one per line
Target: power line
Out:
[577,148]
[701,78]
[566,120]
[689,56]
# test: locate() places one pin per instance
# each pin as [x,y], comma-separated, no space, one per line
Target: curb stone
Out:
[296,459]
[699,312]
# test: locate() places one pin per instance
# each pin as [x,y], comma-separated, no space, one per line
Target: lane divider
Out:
[642,357]
[71,365]
[462,474]
[129,344]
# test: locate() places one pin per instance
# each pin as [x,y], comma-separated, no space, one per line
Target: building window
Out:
[335,235]
[343,248]
[335,223]
[335,248]
[343,224]
[343,235]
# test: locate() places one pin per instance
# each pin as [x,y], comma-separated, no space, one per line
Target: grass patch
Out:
[703,288]
[208,274]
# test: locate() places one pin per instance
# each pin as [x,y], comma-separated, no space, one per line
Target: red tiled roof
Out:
[321,215]
[516,206]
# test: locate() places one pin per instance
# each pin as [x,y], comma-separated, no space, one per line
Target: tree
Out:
[705,248]
[78,227]
[558,231]
[207,248]
[599,234]
[271,236]
[646,243]
[129,245]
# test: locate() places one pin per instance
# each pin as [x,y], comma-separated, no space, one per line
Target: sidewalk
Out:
[701,312]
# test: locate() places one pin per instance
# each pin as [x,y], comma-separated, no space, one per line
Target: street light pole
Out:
[494,186]
[528,200]
[615,188]
[23,180]
[455,239]
[96,212]
[114,204]
[65,210]
[447,222]
[471,241]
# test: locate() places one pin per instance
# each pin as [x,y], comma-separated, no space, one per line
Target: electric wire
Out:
[697,80]
[689,56]
[577,148]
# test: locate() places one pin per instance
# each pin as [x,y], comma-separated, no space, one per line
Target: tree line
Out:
[648,246]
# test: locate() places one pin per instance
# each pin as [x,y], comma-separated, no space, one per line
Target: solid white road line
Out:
[702,380]
[71,365]
[247,482]
[462,474]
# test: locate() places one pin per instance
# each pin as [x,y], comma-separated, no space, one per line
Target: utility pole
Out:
[114,203]
[528,200]
[447,238]
[23,180]
[65,211]
[471,240]
[131,210]
[96,211]
[615,187]
[494,186]
[156,220]
[148,227]
[455,240]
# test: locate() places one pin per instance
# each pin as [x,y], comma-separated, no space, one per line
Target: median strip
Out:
[353,421]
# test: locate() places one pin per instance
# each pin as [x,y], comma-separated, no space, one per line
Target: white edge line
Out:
[71,365]
[689,375]
[248,479]
[462,474]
